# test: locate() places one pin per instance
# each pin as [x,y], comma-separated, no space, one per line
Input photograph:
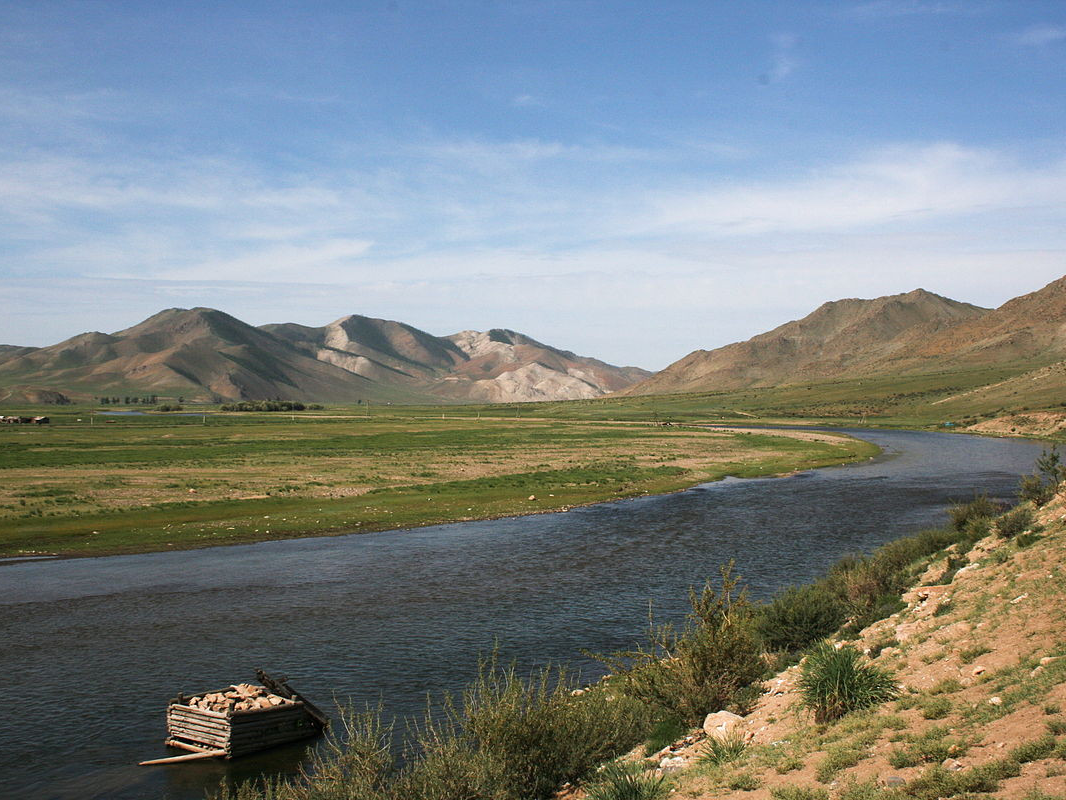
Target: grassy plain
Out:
[88,484]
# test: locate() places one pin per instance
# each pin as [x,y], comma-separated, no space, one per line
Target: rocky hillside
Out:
[204,354]
[980,661]
[907,334]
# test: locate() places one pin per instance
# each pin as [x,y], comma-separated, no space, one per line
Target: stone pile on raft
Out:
[239,697]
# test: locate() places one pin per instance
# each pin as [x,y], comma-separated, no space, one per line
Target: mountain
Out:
[206,354]
[838,339]
[494,366]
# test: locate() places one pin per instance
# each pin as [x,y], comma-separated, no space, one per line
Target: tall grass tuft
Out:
[627,781]
[725,749]
[834,682]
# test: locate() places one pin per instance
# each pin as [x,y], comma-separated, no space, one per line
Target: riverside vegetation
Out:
[94,484]
[897,708]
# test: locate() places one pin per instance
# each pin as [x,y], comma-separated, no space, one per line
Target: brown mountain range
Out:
[206,354]
[902,334]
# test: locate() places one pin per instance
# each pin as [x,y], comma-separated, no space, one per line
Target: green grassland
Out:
[90,484]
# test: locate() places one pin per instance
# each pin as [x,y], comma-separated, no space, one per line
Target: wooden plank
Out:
[186,757]
[196,726]
[200,736]
[194,710]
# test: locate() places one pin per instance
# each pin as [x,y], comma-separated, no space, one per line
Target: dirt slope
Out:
[981,662]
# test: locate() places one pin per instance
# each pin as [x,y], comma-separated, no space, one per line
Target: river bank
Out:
[978,656]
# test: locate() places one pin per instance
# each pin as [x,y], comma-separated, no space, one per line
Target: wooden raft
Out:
[215,734]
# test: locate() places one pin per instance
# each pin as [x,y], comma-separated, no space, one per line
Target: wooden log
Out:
[186,757]
[187,746]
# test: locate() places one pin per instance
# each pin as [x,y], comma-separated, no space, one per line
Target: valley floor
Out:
[96,486]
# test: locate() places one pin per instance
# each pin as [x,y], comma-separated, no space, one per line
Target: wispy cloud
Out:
[909,8]
[1040,35]
[902,185]
[784,60]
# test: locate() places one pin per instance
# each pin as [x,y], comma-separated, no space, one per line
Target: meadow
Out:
[92,484]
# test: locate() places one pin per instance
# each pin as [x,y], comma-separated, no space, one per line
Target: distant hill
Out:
[494,366]
[204,354]
[838,339]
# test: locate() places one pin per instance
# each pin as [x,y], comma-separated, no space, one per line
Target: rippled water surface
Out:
[92,649]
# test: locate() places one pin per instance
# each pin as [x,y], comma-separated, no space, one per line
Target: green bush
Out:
[833,682]
[712,663]
[664,732]
[1034,489]
[800,616]
[964,515]
[1014,522]
[627,781]
[537,735]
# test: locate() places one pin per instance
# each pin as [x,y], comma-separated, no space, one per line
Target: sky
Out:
[628,180]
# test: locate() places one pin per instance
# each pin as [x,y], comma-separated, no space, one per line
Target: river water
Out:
[92,649]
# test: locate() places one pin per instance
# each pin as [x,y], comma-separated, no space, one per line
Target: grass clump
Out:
[799,793]
[936,708]
[1034,750]
[724,750]
[627,781]
[713,662]
[743,782]
[836,759]
[931,747]
[834,682]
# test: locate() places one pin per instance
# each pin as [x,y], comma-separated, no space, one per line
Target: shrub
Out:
[964,515]
[1014,522]
[1033,488]
[627,781]
[800,616]
[711,664]
[666,731]
[537,735]
[833,682]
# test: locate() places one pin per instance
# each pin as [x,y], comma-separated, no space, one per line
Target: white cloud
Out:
[901,185]
[784,57]
[1040,35]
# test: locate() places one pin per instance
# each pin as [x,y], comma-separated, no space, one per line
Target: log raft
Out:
[239,720]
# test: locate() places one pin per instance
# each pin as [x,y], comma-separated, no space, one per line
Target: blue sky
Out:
[628,180]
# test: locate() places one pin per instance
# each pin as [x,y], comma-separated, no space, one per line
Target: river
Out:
[92,649]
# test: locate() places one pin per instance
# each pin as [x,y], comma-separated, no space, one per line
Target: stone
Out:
[1048,660]
[893,781]
[673,764]
[951,764]
[532,497]
[721,724]
[977,670]
[995,701]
